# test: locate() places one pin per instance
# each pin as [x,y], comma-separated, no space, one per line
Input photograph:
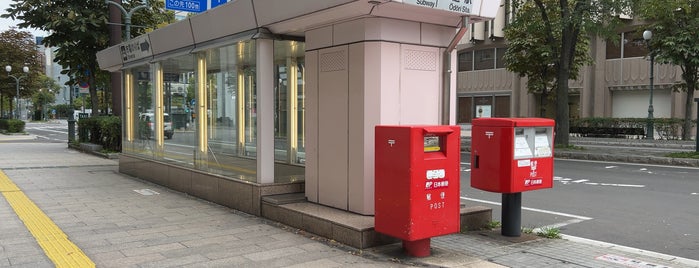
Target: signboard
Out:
[215,3]
[136,48]
[195,6]
[458,6]
[186,5]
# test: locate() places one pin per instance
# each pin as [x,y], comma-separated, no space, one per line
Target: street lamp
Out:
[647,35]
[8,68]
[127,14]
[696,148]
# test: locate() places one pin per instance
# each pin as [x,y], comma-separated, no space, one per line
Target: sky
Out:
[5,24]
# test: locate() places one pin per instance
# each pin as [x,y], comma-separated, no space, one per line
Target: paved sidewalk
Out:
[121,221]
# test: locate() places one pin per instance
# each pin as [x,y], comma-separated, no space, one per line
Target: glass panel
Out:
[231,113]
[502,106]
[301,108]
[289,102]
[634,45]
[249,90]
[143,104]
[464,111]
[613,47]
[178,92]
[500,61]
[484,59]
[484,106]
[465,61]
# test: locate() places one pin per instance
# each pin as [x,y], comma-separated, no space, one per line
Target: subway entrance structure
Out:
[280,98]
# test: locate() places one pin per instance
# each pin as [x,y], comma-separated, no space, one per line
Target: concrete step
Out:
[346,227]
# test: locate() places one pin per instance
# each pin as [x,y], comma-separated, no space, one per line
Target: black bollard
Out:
[511,215]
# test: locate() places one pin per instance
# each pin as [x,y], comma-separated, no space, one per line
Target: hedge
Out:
[12,125]
[665,128]
[102,130]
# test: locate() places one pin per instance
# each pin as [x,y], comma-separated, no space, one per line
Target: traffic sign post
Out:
[195,6]
[186,5]
[696,148]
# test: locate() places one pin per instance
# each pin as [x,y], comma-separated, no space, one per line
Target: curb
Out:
[92,152]
[656,160]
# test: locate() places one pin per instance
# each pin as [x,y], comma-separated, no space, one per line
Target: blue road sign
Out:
[215,3]
[186,5]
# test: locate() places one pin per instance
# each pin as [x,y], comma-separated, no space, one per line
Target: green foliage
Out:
[693,155]
[78,29]
[493,225]
[569,147]
[102,130]
[552,35]
[532,51]
[675,41]
[17,49]
[549,232]
[12,125]
[666,128]
[44,96]
[62,110]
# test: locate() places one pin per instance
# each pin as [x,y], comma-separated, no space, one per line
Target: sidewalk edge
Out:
[653,254]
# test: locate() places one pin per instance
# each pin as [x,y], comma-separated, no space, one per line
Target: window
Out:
[634,45]
[484,59]
[500,61]
[465,61]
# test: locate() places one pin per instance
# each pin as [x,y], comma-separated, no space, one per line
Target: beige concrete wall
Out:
[368,72]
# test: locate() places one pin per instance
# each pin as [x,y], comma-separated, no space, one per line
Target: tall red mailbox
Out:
[417,183]
[512,155]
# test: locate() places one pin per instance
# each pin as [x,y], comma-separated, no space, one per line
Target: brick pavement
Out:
[101,211]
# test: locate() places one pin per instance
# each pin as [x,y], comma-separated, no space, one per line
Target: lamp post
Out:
[25,69]
[127,14]
[696,148]
[647,35]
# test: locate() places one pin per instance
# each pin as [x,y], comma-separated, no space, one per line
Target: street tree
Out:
[45,95]
[674,24]
[565,24]
[79,29]
[17,49]
[526,56]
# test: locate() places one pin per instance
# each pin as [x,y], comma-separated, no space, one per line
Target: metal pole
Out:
[696,147]
[71,118]
[17,98]
[511,215]
[650,134]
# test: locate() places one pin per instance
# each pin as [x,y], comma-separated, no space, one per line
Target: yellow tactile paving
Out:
[61,251]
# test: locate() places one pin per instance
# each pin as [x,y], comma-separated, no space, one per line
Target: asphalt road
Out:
[635,205]
[55,131]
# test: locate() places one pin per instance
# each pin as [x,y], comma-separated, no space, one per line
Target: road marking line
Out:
[579,181]
[52,240]
[610,167]
[616,184]
[558,225]
[531,209]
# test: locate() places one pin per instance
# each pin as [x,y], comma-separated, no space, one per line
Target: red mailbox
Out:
[417,183]
[512,155]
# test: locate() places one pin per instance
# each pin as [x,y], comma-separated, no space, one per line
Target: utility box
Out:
[417,183]
[512,155]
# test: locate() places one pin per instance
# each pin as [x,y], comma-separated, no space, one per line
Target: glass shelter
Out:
[199,110]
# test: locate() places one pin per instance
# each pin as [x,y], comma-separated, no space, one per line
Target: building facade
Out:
[616,85]
[272,97]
